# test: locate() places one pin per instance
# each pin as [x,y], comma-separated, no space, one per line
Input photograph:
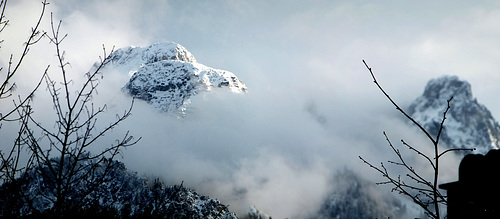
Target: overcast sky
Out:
[311,108]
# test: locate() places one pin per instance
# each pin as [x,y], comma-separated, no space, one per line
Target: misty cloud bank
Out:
[311,109]
[283,156]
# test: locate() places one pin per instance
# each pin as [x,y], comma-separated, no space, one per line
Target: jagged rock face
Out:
[468,124]
[255,213]
[133,57]
[166,75]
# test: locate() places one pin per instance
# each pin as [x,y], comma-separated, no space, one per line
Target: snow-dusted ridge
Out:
[166,75]
[468,124]
[122,194]
[130,59]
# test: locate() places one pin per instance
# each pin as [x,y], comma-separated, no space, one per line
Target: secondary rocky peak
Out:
[468,124]
[447,86]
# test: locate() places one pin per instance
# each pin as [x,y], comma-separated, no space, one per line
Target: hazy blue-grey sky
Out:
[311,108]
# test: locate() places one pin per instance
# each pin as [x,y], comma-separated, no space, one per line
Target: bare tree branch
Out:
[10,163]
[60,152]
[423,192]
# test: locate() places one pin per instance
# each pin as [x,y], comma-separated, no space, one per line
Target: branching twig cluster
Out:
[64,150]
[59,152]
[21,107]
[423,192]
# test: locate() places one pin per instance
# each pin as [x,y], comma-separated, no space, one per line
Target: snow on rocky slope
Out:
[166,75]
[355,197]
[121,194]
[468,123]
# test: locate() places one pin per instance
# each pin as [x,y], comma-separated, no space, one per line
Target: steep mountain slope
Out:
[468,124]
[355,197]
[122,194]
[166,75]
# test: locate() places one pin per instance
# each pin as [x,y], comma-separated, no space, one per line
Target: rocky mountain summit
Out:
[468,124]
[166,75]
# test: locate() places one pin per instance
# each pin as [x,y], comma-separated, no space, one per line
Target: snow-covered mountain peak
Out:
[166,51]
[130,59]
[447,86]
[166,75]
[468,124]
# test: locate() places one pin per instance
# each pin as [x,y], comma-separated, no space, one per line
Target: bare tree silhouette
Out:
[413,184]
[21,105]
[60,152]
[63,151]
